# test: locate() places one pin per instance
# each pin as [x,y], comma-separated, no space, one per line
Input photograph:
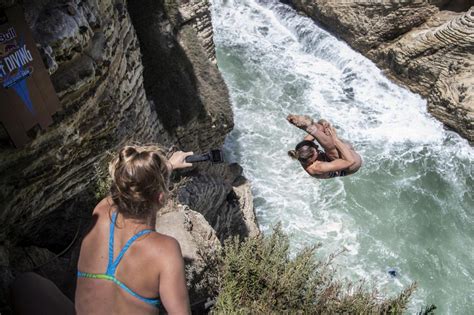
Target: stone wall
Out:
[140,71]
[426,45]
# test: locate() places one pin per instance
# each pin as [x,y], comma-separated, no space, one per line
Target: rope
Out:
[63,251]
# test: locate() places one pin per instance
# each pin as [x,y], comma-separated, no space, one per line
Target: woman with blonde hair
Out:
[124,265]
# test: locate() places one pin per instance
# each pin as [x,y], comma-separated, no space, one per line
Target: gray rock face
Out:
[194,235]
[97,73]
[207,209]
[425,45]
[197,14]
[124,72]
[222,189]
[180,77]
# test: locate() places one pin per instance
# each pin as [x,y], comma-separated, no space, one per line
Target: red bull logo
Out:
[6,49]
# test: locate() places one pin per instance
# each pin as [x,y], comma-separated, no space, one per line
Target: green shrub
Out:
[259,276]
[102,177]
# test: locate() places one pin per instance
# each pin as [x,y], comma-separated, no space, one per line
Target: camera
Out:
[215,156]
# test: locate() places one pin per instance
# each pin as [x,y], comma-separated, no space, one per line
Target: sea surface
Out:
[409,208]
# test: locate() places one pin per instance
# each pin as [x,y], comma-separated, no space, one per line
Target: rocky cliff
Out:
[426,45]
[140,71]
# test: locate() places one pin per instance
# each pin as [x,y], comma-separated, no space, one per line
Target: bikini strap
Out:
[111,242]
[125,248]
[112,265]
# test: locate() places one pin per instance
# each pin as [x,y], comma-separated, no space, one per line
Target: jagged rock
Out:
[103,105]
[197,14]
[437,62]
[245,198]
[186,71]
[191,230]
[194,235]
[235,213]
[426,45]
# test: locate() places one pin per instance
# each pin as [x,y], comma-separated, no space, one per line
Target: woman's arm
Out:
[173,291]
[346,159]
[320,168]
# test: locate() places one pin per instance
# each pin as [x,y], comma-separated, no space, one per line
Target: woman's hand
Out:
[177,160]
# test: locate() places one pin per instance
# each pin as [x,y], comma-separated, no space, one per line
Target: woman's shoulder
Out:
[163,250]
[103,206]
[162,244]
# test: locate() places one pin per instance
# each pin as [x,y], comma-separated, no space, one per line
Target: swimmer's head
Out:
[306,152]
[140,178]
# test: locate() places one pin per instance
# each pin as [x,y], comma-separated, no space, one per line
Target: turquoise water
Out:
[411,205]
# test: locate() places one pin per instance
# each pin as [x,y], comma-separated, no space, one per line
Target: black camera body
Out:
[215,156]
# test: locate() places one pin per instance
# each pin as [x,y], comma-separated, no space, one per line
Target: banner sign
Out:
[27,97]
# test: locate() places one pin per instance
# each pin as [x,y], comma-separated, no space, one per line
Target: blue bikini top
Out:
[112,265]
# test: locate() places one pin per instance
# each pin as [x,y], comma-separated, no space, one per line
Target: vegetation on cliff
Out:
[260,276]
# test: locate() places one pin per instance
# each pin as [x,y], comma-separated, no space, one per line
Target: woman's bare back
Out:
[139,268]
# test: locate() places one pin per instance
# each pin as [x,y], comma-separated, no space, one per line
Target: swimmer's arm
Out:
[345,161]
[320,168]
[341,147]
[309,137]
